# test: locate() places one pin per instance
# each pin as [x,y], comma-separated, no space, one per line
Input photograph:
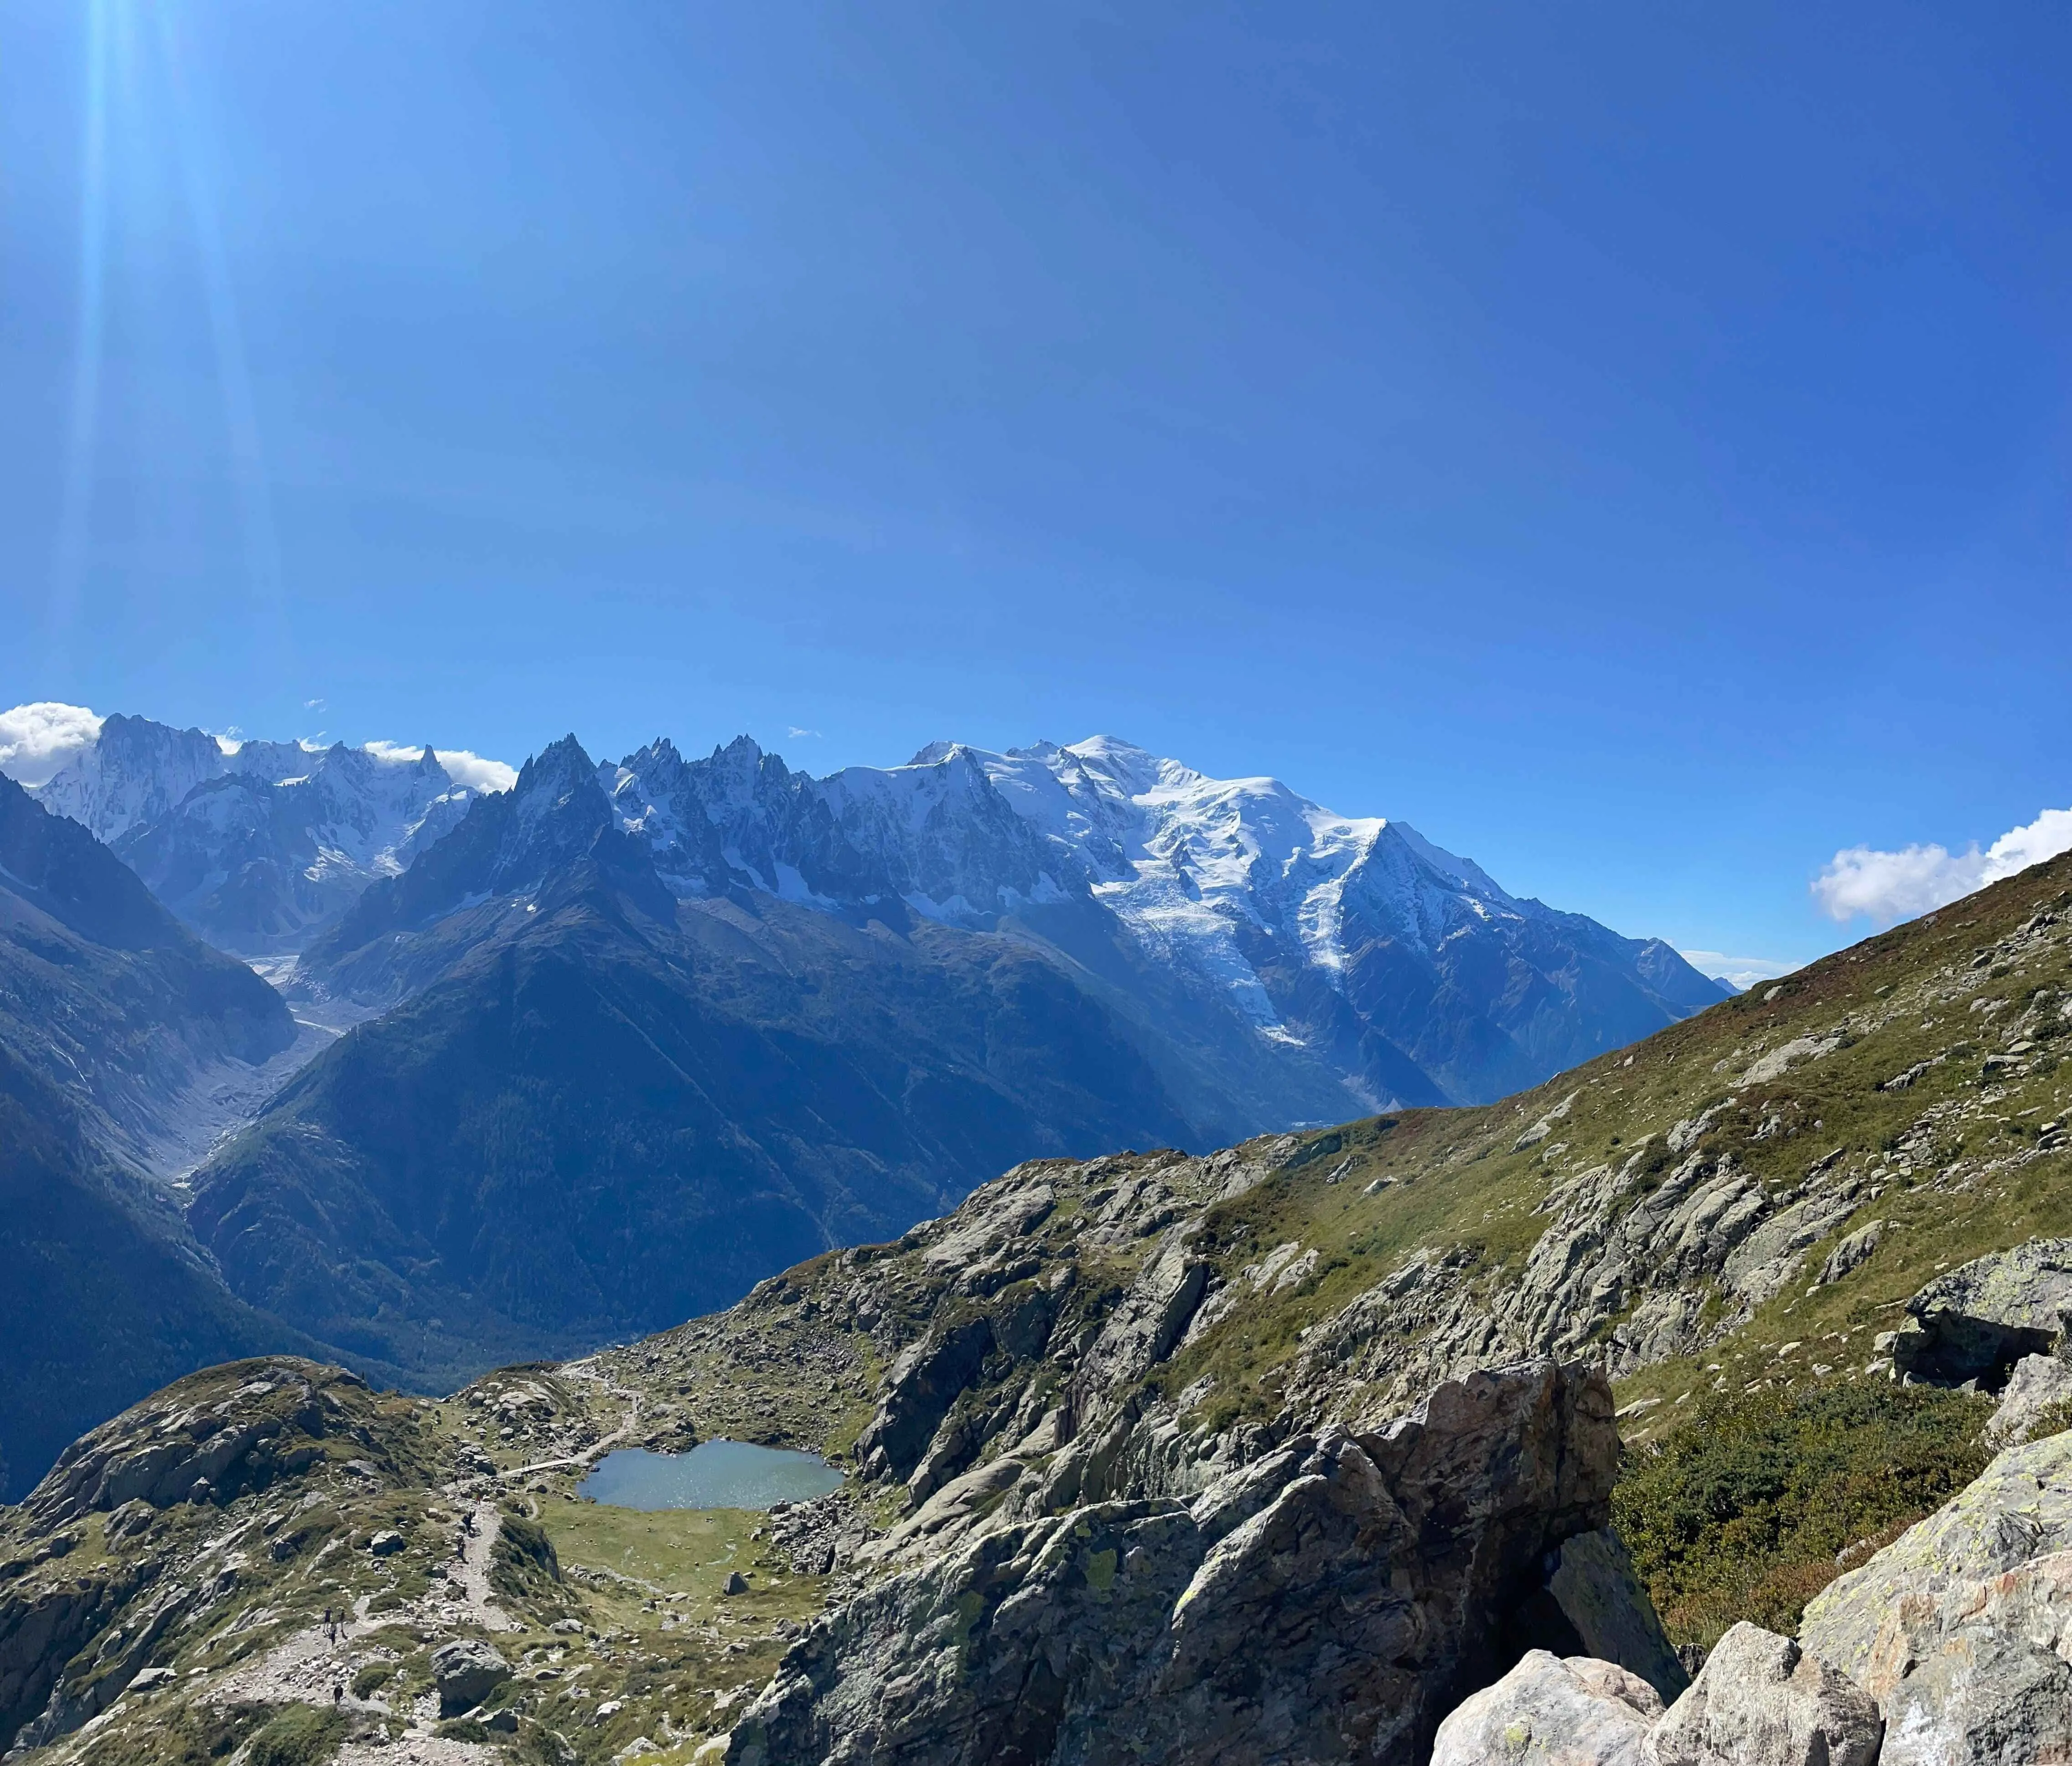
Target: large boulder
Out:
[1978,1676]
[1330,1601]
[1761,1700]
[1593,1585]
[2018,1508]
[1978,1320]
[1550,1711]
[2037,1386]
[1961,1629]
[466,1671]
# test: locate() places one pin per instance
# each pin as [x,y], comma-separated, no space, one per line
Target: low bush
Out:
[1742,1512]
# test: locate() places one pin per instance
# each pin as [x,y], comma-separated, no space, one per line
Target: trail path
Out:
[312,1665]
[586,1370]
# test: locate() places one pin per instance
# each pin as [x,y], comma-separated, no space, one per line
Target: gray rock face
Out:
[1595,1584]
[925,1382]
[2019,1508]
[1852,1253]
[2038,1383]
[1552,1711]
[1760,1700]
[1328,1601]
[160,1452]
[1978,1320]
[466,1671]
[1978,1677]
[1961,1629]
[1623,1240]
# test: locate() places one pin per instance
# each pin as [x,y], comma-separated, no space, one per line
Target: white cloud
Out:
[316,704]
[463,767]
[36,740]
[1890,886]
[796,732]
[475,772]
[1740,971]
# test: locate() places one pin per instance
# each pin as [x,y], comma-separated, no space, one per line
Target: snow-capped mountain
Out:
[933,834]
[1403,968]
[254,863]
[257,843]
[1316,953]
[137,771]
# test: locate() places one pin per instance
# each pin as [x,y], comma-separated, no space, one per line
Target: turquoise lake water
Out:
[712,1475]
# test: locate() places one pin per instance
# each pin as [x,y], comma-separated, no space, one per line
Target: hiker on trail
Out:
[338,1694]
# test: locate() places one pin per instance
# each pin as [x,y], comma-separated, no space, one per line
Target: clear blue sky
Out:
[1628,441]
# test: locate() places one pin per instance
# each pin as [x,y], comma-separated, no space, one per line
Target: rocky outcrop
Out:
[1592,1581]
[1961,1629]
[2019,1508]
[466,1671]
[40,1631]
[210,1439]
[1330,1600]
[1626,1260]
[2038,1384]
[1977,1321]
[1761,1700]
[1552,1711]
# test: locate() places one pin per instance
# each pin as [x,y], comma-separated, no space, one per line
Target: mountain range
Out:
[254,844]
[628,1036]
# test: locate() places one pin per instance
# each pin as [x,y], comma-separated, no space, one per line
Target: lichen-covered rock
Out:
[1593,1583]
[2018,1508]
[1979,1675]
[1553,1711]
[1980,1319]
[1327,1602]
[466,1671]
[1761,1700]
[1961,1629]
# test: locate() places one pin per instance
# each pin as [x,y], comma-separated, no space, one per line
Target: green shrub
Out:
[192,1735]
[1741,1513]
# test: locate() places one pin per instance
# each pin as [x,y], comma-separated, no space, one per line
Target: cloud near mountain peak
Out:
[1887,886]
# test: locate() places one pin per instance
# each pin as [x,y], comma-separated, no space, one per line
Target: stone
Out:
[1322,1602]
[466,1671]
[1975,1322]
[1978,1676]
[1551,1710]
[1594,1585]
[2038,1383]
[924,1383]
[2020,1508]
[736,1584]
[386,1543]
[1850,1254]
[1962,1628]
[1761,1700]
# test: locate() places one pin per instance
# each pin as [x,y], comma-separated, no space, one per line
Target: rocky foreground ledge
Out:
[1327,1601]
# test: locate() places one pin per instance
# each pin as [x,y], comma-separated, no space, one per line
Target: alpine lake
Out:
[712,1475]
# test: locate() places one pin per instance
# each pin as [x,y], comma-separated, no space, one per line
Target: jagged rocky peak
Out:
[133,771]
[933,834]
[257,862]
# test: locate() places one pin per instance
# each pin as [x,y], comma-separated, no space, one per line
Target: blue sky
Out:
[1630,442]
